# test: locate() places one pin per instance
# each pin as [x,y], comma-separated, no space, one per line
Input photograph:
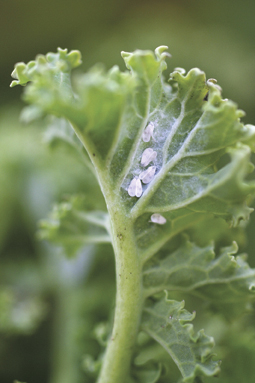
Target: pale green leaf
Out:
[225,279]
[71,225]
[167,322]
[201,169]
[53,66]
[59,132]
[153,351]
[110,111]
[95,107]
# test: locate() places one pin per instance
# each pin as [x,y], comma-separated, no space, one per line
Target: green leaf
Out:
[201,163]
[153,353]
[191,135]
[202,147]
[97,107]
[111,110]
[217,230]
[52,66]
[59,132]
[71,225]
[223,280]
[166,322]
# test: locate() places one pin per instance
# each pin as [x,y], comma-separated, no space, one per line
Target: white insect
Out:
[135,188]
[148,155]
[158,218]
[147,175]
[148,132]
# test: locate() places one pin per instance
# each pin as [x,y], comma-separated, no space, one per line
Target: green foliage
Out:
[192,269]
[201,172]
[72,225]
[166,322]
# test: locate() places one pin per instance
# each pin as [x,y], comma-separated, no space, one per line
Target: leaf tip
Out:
[160,52]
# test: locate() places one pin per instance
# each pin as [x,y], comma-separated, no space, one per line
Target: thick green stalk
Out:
[129,287]
[116,363]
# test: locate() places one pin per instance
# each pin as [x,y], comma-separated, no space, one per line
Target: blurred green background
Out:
[216,36]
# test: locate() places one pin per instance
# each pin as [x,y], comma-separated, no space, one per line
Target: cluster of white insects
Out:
[135,188]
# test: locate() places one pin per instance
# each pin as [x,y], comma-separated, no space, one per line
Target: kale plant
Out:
[172,160]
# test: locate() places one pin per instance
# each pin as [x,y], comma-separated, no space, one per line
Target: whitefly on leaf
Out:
[147,175]
[148,155]
[158,218]
[135,188]
[148,132]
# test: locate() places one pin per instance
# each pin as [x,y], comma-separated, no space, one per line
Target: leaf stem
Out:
[129,299]
[129,296]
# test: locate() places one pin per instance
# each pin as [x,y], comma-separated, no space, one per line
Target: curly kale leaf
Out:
[167,322]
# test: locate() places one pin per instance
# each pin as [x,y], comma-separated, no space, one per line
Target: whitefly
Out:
[158,218]
[148,155]
[148,132]
[135,188]
[147,175]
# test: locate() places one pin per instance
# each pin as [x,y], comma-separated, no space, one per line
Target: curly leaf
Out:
[224,279]
[96,107]
[110,112]
[166,322]
[53,66]
[71,225]
[167,157]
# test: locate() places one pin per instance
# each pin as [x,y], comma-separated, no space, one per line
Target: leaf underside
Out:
[202,167]
[167,322]
[111,110]
[221,279]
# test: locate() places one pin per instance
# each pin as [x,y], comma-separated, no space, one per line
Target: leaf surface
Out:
[167,322]
[71,225]
[198,153]
[59,132]
[111,110]
[223,279]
